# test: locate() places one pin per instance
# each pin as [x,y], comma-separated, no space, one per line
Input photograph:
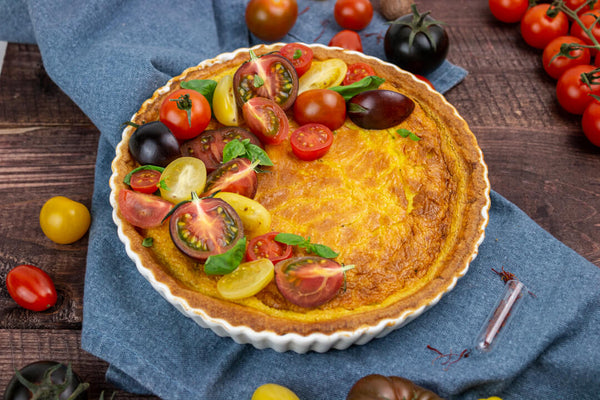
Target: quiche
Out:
[408,215]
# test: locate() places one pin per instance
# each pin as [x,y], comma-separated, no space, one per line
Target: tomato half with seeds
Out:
[186,113]
[246,280]
[182,177]
[358,71]
[143,210]
[236,176]
[322,106]
[31,287]
[308,281]
[323,75]
[145,180]
[271,76]
[203,227]
[265,246]
[300,55]
[311,141]
[266,120]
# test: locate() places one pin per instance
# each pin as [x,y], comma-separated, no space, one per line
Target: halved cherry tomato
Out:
[358,71]
[538,29]
[204,227]
[572,93]
[31,288]
[265,246]
[271,20]
[255,217]
[556,66]
[308,281]
[209,145]
[236,176]
[300,55]
[145,180]
[182,177]
[143,210]
[323,75]
[353,14]
[311,141]
[347,39]
[271,76]
[186,113]
[224,105]
[246,280]
[266,120]
[322,106]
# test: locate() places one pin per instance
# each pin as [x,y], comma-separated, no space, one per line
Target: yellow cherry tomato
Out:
[323,75]
[255,217]
[64,220]
[492,398]
[247,279]
[181,177]
[224,105]
[273,391]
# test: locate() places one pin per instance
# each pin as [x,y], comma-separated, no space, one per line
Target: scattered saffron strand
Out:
[509,276]
[304,11]
[450,358]
[323,25]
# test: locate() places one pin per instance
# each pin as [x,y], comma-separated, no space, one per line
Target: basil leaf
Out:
[127,179]
[258,154]
[233,149]
[323,251]
[366,83]
[148,242]
[406,133]
[290,238]
[227,262]
[245,149]
[206,87]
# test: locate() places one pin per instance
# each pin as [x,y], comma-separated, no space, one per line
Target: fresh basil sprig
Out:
[222,264]
[243,148]
[206,87]
[296,240]
[127,179]
[366,83]
[409,134]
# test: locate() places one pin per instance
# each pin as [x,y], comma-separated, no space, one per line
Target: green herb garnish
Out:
[296,240]
[148,242]
[222,264]
[206,87]
[243,148]
[366,83]
[405,133]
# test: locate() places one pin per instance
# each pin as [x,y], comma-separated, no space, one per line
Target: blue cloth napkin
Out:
[110,55]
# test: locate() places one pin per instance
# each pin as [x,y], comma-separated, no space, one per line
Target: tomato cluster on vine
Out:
[569,34]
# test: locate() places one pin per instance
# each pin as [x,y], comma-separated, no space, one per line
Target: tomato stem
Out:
[184,103]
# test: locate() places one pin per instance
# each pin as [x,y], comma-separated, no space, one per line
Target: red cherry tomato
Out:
[186,113]
[572,93]
[265,246]
[556,66]
[145,181]
[271,20]
[348,40]
[143,210]
[300,55]
[588,19]
[508,11]
[427,81]
[576,4]
[311,141]
[353,14]
[357,71]
[323,106]
[236,176]
[266,120]
[31,288]
[538,29]
[590,122]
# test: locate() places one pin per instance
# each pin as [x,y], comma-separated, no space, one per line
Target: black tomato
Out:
[236,176]
[271,76]
[379,109]
[416,42]
[49,376]
[388,387]
[153,143]
[209,145]
[203,227]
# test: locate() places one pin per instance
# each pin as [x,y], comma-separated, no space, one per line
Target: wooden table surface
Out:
[537,156]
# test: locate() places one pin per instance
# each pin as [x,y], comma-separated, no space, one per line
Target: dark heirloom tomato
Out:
[271,20]
[143,210]
[271,76]
[379,109]
[266,120]
[153,143]
[322,106]
[209,145]
[31,288]
[265,246]
[300,55]
[201,228]
[236,176]
[51,376]
[311,141]
[375,386]
[308,281]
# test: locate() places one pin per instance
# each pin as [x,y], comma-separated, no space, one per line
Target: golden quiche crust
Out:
[409,215]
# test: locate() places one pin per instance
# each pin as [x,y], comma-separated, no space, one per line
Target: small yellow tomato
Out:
[224,105]
[273,391]
[64,220]
[323,75]
[247,279]
[492,398]
[181,177]
[255,217]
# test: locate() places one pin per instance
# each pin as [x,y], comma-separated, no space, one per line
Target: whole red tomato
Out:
[353,14]
[31,288]
[508,11]
[322,106]
[587,19]
[577,5]
[538,29]
[186,113]
[590,122]
[271,20]
[573,93]
[556,66]
[347,39]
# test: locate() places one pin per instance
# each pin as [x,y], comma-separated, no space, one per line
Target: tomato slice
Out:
[271,76]
[182,177]
[265,246]
[236,176]
[145,180]
[204,227]
[266,120]
[300,55]
[246,280]
[358,71]
[323,75]
[311,141]
[143,210]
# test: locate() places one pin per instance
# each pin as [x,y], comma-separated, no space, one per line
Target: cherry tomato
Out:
[300,55]
[588,19]
[52,380]
[271,76]
[538,29]
[224,105]
[64,220]
[265,246]
[273,391]
[236,176]
[209,145]
[154,144]
[427,81]
[311,141]
[377,386]
[246,280]
[143,210]
[379,109]
[357,71]
[590,122]
[347,39]
[271,20]
[145,180]
[31,288]
[266,120]
[508,11]
[205,226]
[255,217]
[576,4]
[353,14]
[186,113]
[182,177]
[308,281]
[555,66]
[572,93]
[322,106]
[323,75]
